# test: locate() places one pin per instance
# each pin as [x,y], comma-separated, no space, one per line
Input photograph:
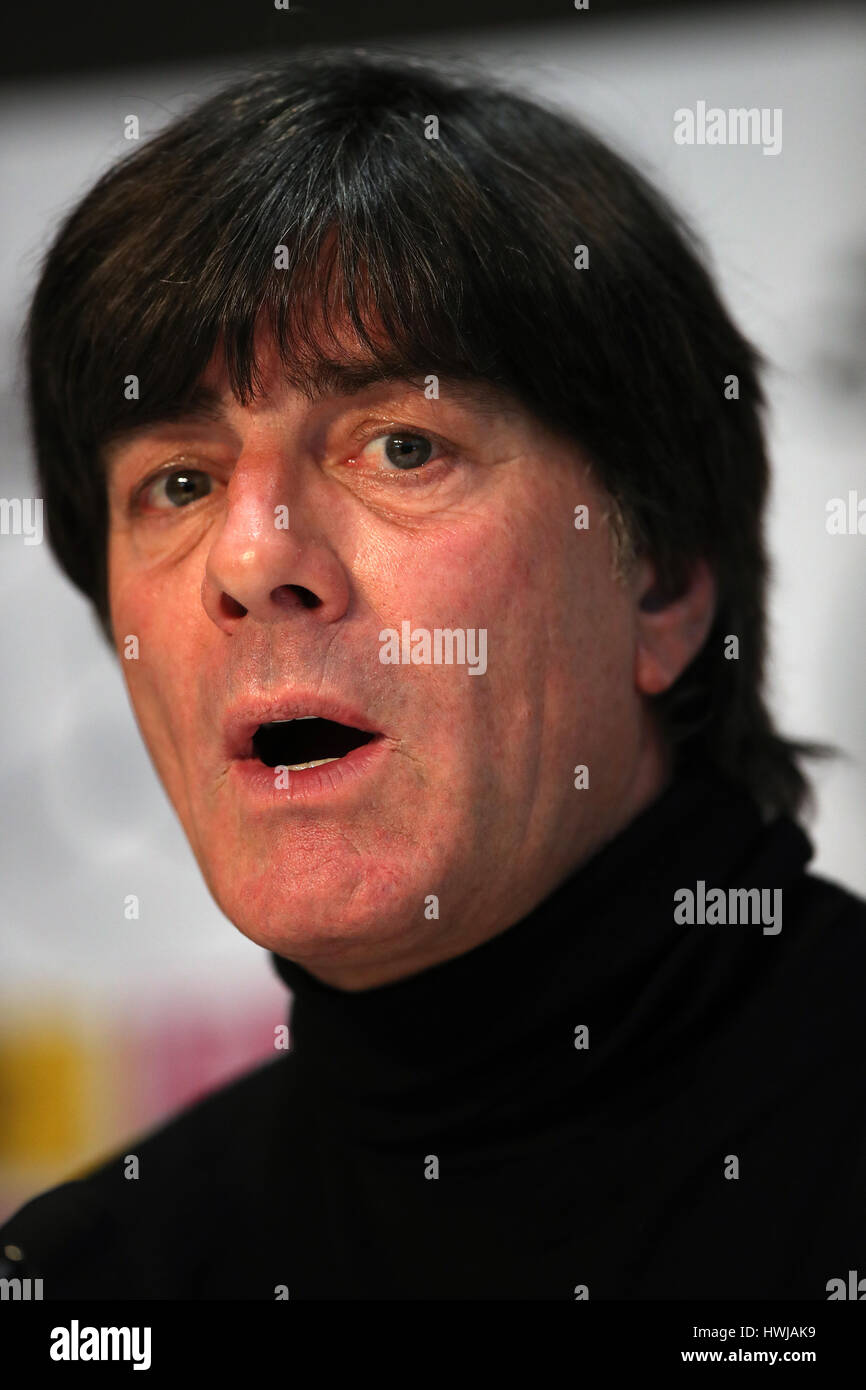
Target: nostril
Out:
[286,592]
[230,606]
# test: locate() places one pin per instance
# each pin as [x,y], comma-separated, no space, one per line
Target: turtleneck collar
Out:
[482,1046]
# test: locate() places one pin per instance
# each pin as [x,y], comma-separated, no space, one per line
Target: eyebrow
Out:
[341,379]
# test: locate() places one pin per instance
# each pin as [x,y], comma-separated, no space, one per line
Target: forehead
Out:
[349,371]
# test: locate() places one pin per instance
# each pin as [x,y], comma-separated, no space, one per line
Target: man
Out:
[386,418]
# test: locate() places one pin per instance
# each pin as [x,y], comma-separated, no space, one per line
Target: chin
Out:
[287,909]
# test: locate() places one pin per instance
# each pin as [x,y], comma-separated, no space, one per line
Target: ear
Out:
[670,629]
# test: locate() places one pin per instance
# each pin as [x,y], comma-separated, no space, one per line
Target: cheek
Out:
[160,606]
[487,573]
[158,642]
[464,572]
[134,611]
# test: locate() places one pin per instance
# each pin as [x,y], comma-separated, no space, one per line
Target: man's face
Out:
[259,567]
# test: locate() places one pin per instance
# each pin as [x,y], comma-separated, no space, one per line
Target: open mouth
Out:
[306,742]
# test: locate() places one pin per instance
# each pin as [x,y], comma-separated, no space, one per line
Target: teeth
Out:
[298,767]
[292,721]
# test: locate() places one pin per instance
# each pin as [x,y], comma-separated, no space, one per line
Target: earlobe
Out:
[671,629]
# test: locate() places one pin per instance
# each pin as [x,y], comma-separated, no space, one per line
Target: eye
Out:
[404,450]
[175,489]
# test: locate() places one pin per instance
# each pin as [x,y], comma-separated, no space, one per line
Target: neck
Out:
[476,1045]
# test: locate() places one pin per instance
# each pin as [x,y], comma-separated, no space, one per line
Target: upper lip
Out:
[244,718]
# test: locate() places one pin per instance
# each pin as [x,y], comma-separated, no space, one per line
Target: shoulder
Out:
[831,900]
[827,923]
[817,963]
[134,1226]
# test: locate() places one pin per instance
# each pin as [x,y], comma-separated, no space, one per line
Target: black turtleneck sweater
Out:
[445,1137]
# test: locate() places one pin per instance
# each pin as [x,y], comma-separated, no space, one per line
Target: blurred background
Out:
[109,1023]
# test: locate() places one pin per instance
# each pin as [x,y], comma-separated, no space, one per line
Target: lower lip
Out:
[310,783]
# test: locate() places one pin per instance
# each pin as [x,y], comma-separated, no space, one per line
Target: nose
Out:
[270,562]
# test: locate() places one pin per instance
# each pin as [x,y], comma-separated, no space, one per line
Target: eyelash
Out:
[442,451]
[363,435]
[136,500]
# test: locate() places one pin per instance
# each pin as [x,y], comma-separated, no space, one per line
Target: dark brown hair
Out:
[463,247]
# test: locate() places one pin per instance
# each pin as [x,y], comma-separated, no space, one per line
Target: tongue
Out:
[305,741]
